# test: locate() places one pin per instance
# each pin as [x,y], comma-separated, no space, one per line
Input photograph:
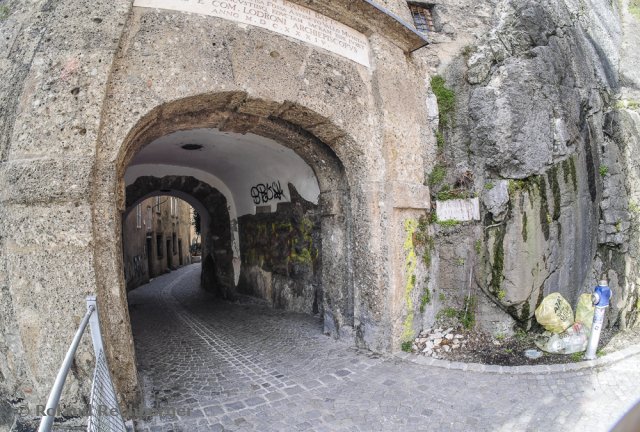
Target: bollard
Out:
[601,297]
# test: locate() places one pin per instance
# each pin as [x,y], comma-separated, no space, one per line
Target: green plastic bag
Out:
[585,310]
[554,313]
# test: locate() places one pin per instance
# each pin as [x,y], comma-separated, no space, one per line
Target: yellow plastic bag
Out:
[585,311]
[554,313]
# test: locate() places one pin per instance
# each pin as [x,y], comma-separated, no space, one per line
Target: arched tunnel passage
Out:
[321,145]
[217,239]
[267,209]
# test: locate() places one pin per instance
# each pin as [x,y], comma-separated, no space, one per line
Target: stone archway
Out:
[223,112]
[217,256]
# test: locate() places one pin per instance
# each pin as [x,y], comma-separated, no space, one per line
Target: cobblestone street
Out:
[249,368]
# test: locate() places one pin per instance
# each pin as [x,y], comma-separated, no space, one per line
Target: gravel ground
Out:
[480,347]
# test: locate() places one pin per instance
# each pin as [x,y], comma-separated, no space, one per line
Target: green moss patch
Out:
[446,101]
[4,12]
[437,175]
[634,8]
[497,269]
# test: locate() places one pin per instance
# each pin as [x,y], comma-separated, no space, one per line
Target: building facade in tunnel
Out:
[156,238]
[304,156]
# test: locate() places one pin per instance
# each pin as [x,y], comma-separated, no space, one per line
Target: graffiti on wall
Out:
[135,269]
[265,192]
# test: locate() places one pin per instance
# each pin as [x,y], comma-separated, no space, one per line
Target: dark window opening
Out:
[159,245]
[422,17]
[169,255]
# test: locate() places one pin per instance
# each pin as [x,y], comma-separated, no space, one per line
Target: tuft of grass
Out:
[604,170]
[442,297]
[501,295]
[634,8]
[516,185]
[500,336]
[446,101]
[468,314]
[406,346]
[576,357]
[446,193]
[521,335]
[489,185]
[478,246]
[447,312]
[440,142]
[4,12]
[627,104]
[425,300]
[437,175]
[448,223]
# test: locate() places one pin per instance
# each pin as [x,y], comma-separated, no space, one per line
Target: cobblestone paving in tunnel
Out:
[250,368]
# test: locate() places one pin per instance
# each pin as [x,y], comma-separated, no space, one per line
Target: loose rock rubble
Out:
[435,342]
[448,341]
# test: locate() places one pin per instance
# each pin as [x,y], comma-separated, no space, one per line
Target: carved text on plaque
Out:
[282,17]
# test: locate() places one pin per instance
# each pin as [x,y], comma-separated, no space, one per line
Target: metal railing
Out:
[104,412]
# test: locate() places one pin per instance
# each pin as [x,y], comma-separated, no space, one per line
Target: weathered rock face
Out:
[619,229]
[537,123]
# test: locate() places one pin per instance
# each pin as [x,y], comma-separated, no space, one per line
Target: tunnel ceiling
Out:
[247,165]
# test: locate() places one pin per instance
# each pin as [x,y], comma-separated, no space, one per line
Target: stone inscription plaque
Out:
[281,17]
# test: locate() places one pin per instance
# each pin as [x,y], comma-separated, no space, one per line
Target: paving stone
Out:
[250,368]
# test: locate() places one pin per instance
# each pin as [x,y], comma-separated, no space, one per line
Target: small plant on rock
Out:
[446,100]
[425,300]
[4,12]
[437,175]
[449,223]
[576,357]
[478,246]
[604,170]
[521,335]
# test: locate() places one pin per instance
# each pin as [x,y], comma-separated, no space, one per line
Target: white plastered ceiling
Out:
[233,164]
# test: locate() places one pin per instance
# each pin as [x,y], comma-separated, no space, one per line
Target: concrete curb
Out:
[608,359]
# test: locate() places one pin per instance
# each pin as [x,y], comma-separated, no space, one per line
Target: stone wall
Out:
[91,83]
[281,256]
[55,61]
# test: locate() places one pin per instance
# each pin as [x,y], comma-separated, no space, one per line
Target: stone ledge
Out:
[545,369]
[408,195]
[365,15]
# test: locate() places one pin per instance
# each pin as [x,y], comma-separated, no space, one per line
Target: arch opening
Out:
[285,193]
[323,283]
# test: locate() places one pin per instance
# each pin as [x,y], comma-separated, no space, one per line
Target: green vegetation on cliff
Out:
[446,101]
